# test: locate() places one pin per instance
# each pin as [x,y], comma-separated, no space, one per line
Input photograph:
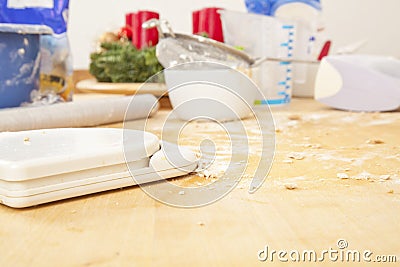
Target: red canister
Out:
[207,21]
[142,37]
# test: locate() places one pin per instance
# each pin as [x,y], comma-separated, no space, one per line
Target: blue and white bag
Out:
[56,60]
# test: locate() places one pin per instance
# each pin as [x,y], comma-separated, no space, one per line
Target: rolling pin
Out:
[84,113]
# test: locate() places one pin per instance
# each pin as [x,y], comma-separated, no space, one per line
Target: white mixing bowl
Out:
[209,92]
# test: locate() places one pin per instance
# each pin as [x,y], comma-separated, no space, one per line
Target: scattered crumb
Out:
[27,141]
[391,191]
[247,176]
[294,117]
[181,193]
[347,169]
[288,161]
[206,174]
[315,146]
[342,175]
[363,176]
[376,115]
[375,142]
[241,187]
[201,224]
[384,177]
[292,123]
[75,229]
[277,130]
[296,156]
[291,186]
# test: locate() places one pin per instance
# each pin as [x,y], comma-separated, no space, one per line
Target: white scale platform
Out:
[41,166]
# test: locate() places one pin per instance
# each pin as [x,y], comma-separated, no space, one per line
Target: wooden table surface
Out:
[302,205]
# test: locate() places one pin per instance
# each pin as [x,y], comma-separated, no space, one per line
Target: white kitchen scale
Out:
[42,166]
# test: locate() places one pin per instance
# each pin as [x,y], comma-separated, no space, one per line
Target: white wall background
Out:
[347,21]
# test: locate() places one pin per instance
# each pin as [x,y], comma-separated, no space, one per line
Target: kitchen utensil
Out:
[273,39]
[310,39]
[177,48]
[41,166]
[91,112]
[325,50]
[174,49]
[359,82]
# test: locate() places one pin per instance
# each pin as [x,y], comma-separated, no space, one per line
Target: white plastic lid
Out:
[34,154]
[298,11]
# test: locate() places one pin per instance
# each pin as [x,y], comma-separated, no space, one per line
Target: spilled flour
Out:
[313,149]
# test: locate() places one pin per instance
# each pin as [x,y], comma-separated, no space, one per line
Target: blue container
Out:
[268,7]
[19,62]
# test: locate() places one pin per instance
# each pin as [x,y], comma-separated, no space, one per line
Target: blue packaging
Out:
[19,67]
[261,7]
[28,65]
[268,7]
[19,62]
[52,13]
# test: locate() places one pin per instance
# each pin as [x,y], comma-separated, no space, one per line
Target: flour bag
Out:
[56,60]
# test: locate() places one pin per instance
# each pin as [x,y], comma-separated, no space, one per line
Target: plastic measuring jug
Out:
[309,39]
[274,38]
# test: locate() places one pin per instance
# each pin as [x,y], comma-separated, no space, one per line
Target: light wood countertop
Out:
[302,205]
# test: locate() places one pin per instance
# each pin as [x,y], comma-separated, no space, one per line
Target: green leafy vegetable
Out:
[122,62]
